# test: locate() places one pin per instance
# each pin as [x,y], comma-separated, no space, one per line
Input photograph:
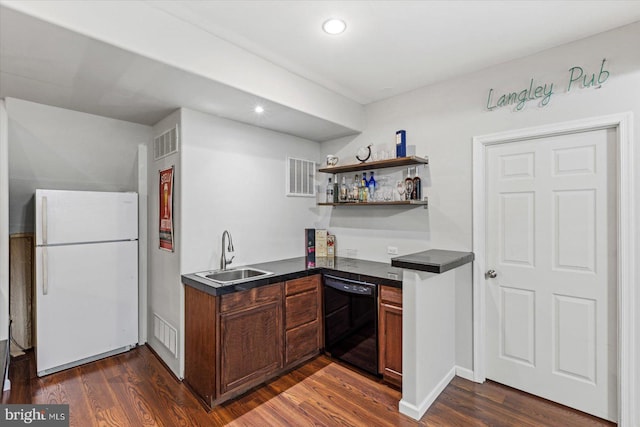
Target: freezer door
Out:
[86,301]
[64,217]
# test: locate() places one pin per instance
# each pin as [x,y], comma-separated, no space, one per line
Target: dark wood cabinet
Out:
[303,319]
[232,342]
[200,343]
[250,336]
[390,335]
[236,341]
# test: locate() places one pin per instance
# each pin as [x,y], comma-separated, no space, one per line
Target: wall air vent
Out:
[301,177]
[165,144]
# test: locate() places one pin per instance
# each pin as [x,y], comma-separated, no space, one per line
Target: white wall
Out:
[143,243]
[54,148]
[4,226]
[165,295]
[234,179]
[441,121]
[427,300]
[230,176]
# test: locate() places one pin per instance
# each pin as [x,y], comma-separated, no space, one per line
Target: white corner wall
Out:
[60,149]
[428,336]
[441,121]
[143,243]
[165,296]
[230,176]
[4,226]
[234,179]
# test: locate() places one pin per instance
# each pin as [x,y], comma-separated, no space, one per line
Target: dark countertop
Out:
[433,260]
[365,271]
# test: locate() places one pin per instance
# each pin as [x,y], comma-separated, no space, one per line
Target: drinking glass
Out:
[400,188]
[387,193]
[379,188]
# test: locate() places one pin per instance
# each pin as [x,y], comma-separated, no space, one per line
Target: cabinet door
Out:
[390,335]
[250,344]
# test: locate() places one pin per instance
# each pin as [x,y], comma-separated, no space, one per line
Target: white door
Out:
[551,240]
[86,301]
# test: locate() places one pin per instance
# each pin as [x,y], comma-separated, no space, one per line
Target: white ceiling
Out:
[44,63]
[390,47]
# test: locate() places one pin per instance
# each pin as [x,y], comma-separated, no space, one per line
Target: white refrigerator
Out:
[86,294]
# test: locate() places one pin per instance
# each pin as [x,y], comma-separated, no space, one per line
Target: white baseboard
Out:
[465,373]
[416,412]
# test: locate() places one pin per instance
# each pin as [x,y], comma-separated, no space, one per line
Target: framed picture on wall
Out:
[165,214]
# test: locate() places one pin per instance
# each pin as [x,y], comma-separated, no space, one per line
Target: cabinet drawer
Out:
[301,342]
[302,284]
[391,295]
[245,299]
[301,308]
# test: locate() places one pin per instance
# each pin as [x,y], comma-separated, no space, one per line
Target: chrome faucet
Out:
[223,258]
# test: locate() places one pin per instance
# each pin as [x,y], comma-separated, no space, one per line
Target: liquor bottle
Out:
[372,187]
[343,190]
[329,192]
[417,187]
[408,185]
[355,189]
[363,188]
[336,189]
[401,143]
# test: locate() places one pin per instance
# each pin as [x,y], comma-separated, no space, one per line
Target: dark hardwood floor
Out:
[135,389]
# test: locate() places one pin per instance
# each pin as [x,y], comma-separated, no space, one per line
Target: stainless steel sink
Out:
[233,276]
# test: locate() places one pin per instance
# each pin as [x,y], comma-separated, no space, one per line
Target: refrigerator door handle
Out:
[44,220]
[45,278]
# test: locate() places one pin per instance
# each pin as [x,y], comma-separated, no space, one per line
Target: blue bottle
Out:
[401,143]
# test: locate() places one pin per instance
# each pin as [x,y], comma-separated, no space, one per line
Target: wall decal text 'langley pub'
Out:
[577,78]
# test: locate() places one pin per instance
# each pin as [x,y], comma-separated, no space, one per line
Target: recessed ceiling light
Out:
[259,109]
[334,26]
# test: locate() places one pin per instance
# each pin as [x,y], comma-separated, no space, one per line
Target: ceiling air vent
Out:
[301,177]
[165,144]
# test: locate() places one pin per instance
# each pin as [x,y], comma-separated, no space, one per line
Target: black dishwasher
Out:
[351,322]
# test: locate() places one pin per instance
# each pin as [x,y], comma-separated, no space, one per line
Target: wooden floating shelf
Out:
[408,203]
[390,163]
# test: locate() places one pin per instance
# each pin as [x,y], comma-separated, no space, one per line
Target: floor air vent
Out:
[165,144]
[166,334]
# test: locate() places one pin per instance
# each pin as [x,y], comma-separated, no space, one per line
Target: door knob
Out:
[490,274]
